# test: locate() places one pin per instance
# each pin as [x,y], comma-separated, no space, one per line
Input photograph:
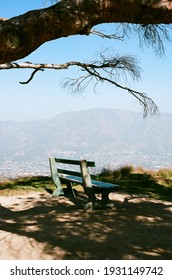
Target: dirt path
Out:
[36,226]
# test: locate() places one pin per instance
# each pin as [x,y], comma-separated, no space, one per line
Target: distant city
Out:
[10,169]
[111,138]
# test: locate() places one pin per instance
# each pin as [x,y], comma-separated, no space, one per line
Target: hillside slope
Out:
[105,135]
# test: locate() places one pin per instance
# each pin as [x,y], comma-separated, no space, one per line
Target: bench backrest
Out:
[83,172]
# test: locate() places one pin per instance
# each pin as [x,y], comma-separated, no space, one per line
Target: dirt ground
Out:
[35,226]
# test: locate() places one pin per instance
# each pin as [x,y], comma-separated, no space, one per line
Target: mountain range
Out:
[110,137]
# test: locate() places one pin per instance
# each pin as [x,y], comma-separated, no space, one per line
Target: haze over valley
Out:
[111,138]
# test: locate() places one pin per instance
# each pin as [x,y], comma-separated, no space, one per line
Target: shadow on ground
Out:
[58,228]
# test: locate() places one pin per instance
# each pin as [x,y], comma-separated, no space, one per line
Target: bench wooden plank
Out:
[68,172]
[63,172]
[74,162]
[74,179]
[103,184]
[95,183]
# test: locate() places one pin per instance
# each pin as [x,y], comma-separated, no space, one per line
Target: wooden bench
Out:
[83,177]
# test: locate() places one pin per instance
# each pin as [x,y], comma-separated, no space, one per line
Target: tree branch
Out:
[21,35]
[31,77]
[124,64]
[106,36]
[112,67]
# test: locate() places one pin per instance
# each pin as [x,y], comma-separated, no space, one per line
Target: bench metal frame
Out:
[83,177]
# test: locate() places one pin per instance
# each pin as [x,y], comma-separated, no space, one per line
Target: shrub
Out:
[116,173]
[122,172]
[106,172]
[126,170]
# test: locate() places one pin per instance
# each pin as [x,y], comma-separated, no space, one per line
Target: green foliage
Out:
[126,170]
[121,172]
[106,172]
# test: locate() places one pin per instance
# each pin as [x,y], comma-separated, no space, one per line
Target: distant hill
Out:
[110,137]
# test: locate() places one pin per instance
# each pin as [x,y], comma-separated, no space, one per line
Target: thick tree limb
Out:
[21,35]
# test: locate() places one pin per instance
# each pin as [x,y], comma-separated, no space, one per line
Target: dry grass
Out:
[156,184]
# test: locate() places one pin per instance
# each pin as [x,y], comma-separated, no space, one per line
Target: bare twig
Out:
[103,70]
[31,77]
[106,36]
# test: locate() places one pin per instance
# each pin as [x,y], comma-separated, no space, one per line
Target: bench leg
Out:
[89,206]
[104,203]
[90,193]
[97,205]
[105,197]
[57,192]
[70,190]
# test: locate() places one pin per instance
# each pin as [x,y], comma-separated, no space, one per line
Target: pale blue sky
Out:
[44,97]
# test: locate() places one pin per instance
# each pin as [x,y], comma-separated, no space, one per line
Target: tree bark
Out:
[21,35]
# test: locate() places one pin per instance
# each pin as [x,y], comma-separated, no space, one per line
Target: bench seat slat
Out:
[74,179]
[98,184]
[103,184]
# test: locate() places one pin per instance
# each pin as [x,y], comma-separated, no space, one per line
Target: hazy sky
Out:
[44,97]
